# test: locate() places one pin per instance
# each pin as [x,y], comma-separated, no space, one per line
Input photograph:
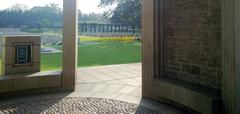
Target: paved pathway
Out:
[116,82]
[120,82]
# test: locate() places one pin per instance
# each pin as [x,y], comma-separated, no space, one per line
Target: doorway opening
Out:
[109,48]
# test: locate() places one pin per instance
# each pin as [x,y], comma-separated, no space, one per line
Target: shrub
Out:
[122,39]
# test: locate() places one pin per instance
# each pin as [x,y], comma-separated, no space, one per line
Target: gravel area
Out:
[74,105]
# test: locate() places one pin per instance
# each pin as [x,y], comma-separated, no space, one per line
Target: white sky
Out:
[86,6]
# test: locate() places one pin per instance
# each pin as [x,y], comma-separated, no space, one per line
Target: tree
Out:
[126,11]
[41,16]
[45,23]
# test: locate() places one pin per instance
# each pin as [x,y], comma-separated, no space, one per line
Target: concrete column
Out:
[70,36]
[148,48]
[231,55]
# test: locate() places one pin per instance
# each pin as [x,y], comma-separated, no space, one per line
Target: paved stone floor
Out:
[120,83]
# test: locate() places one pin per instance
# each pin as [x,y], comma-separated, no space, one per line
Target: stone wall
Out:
[192,41]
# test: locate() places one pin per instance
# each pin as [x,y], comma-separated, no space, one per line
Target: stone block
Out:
[6,85]
[9,69]
[31,61]
[36,55]
[49,81]
[25,83]
[7,58]
[11,39]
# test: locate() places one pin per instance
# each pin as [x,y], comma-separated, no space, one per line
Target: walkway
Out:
[111,89]
[120,82]
[112,81]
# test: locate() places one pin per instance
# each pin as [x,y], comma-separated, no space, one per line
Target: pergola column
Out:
[95,28]
[70,36]
[103,28]
[86,28]
[82,27]
[107,28]
[91,28]
[99,28]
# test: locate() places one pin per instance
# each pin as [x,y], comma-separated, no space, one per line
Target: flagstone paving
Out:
[98,90]
[124,79]
[120,82]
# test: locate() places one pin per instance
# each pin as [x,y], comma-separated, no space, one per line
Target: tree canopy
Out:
[126,11]
[41,16]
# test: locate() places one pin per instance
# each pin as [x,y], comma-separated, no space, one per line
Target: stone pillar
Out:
[148,48]
[231,64]
[70,36]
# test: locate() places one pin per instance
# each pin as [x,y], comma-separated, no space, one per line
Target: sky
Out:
[86,6]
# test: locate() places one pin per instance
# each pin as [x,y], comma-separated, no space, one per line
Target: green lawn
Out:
[93,53]
[97,52]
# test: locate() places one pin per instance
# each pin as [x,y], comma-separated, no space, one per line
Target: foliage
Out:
[45,23]
[126,12]
[91,18]
[41,16]
[30,17]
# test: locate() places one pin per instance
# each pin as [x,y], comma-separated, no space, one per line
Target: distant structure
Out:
[107,28]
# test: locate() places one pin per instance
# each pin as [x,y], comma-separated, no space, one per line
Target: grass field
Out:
[93,51]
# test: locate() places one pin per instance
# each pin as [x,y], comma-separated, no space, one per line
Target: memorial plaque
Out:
[23,54]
